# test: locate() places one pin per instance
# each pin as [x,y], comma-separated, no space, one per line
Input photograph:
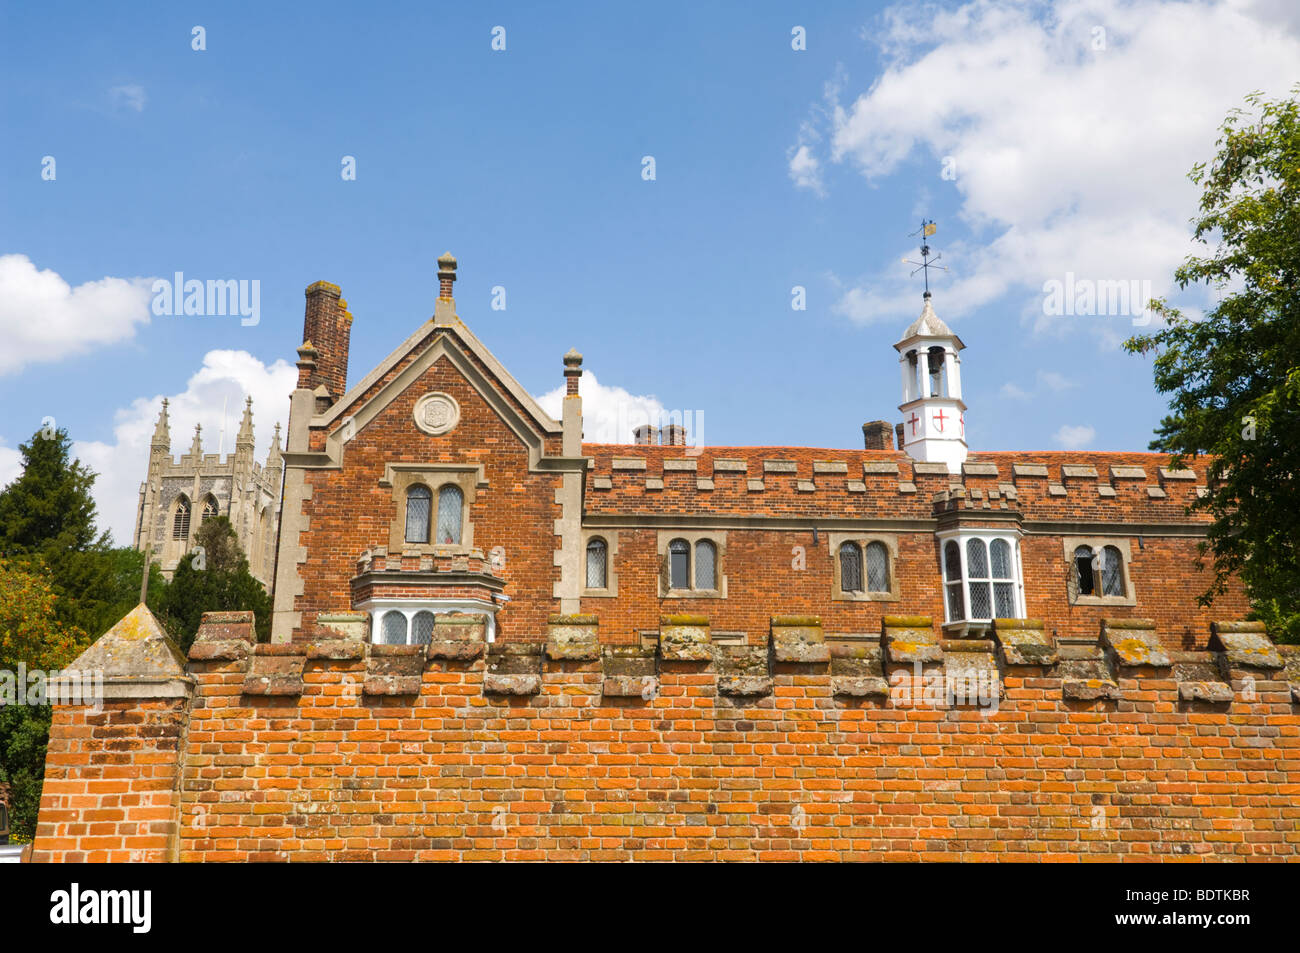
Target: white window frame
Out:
[960,537]
[377,608]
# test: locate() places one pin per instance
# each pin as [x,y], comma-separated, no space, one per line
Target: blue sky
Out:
[774,168]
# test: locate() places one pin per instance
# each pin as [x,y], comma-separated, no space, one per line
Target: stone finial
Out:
[196,448]
[245,436]
[274,456]
[446,274]
[572,372]
[162,435]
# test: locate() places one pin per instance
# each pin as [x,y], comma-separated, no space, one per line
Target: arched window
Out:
[1112,573]
[850,567]
[706,565]
[1083,571]
[181,521]
[877,567]
[451,503]
[418,503]
[422,628]
[679,564]
[597,554]
[952,580]
[394,628]
[209,509]
[1003,573]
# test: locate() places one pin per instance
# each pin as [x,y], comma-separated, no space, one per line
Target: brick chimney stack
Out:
[877,435]
[327,328]
[646,435]
[674,435]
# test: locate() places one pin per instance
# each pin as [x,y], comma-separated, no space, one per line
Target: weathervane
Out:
[926,263]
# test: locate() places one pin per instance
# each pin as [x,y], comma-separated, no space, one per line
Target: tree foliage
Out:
[1234,374]
[214,578]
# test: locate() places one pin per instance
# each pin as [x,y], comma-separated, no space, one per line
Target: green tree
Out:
[47,519]
[30,635]
[213,578]
[1233,373]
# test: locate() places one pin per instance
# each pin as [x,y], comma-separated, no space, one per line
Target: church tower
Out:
[934,415]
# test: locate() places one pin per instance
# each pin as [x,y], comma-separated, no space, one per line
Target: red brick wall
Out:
[111,780]
[797,775]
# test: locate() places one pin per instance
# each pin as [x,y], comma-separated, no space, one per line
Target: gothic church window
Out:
[181,521]
[209,509]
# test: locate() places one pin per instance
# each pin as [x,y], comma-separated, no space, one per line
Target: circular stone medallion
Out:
[437,413]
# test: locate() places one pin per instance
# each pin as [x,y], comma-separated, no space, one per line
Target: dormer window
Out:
[981,577]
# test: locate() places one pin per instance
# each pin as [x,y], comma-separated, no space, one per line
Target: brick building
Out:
[437,484]
[493,641]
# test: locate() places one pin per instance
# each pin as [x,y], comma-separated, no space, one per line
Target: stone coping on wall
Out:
[1099,668]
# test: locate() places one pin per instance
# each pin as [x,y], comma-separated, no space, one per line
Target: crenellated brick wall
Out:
[1105,747]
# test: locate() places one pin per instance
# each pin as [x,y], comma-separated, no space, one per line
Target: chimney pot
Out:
[877,435]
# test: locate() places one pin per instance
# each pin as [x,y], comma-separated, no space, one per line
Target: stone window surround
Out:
[719,541]
[376,609]
[1071,543]
[611,574]
[402,476]
[1017,572]
[862,539]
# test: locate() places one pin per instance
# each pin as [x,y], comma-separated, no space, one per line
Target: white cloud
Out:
[608,413]
[131,96]
[1074,438]
[1012,392]
[1054,381]
[1067,158]
[11,465]
[805,170]
[221,384]
[43,318]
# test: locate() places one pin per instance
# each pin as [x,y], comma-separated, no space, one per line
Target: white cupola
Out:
[934,415]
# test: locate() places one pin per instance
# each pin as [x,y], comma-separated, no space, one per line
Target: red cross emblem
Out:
[962,418]
[940,418]
[914,421]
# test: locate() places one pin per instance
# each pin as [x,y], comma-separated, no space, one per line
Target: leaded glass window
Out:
[422,628]
[977,579]
[1004,587]
[1112,575]
[679,564]
[394,628]
[597,567]
[706,559]
[418,502]
[850,568]
[877,567]
[450,507]
[952,575]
